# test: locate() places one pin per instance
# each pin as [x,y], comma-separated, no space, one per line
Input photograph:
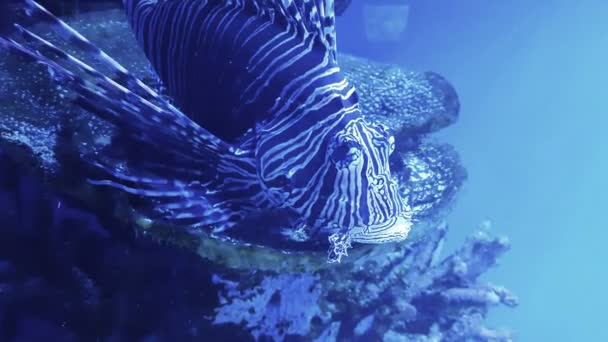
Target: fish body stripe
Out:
[225,65]
[228,64]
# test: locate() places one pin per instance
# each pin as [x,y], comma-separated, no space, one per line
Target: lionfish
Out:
[261,119]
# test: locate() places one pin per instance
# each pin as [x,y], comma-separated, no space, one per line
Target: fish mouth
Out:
[393,230]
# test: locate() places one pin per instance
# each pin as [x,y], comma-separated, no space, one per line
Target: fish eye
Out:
[391,144]
[387,137]
[345,150]
[384,129]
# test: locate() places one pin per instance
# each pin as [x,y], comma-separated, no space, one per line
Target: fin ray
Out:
[150,122]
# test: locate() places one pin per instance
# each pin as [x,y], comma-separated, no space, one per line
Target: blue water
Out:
[532,78]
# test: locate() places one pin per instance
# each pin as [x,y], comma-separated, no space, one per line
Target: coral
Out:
[411,293]
[280,305]
[401,292]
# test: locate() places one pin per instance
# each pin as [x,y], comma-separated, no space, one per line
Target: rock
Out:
[413,104]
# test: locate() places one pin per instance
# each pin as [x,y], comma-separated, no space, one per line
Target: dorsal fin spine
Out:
[308,16]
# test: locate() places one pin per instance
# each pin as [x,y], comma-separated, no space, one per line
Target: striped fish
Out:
[261,119]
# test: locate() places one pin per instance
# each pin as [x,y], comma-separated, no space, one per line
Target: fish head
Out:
[338,181]
[363,201]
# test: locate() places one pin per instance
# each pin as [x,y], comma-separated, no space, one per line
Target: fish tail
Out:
[185,160]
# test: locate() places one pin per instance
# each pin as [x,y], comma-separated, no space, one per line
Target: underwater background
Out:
[531,76]
[531,81]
